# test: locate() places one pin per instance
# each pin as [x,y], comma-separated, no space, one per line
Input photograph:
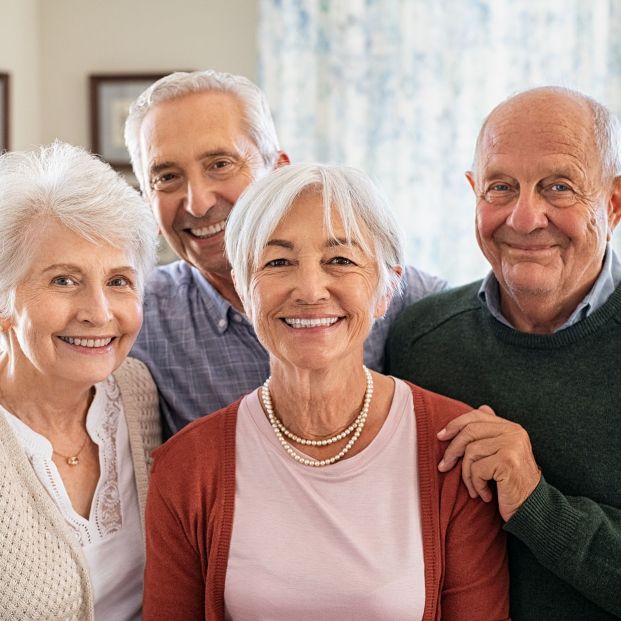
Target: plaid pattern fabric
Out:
[204,355]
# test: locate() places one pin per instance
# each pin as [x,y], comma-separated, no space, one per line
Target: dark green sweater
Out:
[565,390]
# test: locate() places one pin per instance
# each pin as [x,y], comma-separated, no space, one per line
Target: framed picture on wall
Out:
[111,96]
[4,112]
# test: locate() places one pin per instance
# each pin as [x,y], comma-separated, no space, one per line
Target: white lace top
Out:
[111,537]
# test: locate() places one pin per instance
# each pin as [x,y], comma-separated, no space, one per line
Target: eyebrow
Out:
[157,167]
[330,243]
[71,267]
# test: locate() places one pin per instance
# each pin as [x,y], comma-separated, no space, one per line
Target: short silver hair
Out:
[65,183]
[346,192]
[606,128]
[257,116]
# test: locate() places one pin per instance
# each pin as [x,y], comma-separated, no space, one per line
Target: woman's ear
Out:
[5,324]
[383,303]
[241,297]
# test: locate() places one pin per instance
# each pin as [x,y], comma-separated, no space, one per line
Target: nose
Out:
[311,284]
[528,213]
[200,196]
[94,307]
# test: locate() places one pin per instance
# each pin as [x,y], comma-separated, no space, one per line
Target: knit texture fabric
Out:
[43,572]
[565,390]
[190,519]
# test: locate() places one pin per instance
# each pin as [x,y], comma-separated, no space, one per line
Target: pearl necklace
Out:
[281,431]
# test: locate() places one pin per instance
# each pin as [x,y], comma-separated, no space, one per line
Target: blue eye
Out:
[64,281]
[560,187]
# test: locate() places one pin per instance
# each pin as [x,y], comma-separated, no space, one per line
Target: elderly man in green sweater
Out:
[538,340]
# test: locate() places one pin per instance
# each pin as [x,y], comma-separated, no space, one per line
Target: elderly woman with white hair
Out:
[317,496]
[78,420]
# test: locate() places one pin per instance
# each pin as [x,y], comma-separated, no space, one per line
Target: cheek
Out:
[488,220]
[164,211]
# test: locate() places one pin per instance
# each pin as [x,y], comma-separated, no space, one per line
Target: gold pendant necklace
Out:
[72,460]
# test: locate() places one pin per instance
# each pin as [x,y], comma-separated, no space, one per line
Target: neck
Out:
[538,313]
[44,404]
[225,287]
[317,402]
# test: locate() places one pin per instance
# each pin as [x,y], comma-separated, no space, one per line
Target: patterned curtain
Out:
[399,88]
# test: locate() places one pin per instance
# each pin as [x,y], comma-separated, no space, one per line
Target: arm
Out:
[417,285]
[576,538]
[174,586]
[476,577]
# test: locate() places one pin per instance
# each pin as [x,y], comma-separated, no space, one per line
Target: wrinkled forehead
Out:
[541,127]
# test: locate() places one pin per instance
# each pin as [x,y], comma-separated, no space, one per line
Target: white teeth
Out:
[208,231]
[311,323]
[86,342]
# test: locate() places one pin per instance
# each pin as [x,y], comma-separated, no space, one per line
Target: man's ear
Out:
[470,177]
[614,206]
[282,160]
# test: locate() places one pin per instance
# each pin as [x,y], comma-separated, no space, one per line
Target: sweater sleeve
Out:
[174,587]
[476,578]
[577,539]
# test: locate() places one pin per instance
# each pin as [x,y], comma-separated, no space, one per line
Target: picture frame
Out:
[110,98]
[5,142]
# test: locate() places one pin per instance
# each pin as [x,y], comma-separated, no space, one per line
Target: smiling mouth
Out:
[205,232]
[319,322]
[86,342]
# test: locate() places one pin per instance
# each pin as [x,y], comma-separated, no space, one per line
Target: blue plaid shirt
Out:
[203,354]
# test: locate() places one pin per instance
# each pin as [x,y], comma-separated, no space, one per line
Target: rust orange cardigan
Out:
[191,503]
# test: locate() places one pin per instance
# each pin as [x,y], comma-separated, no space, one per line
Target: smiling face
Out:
[543,212]
[313,297]
[198,160]
[77,311]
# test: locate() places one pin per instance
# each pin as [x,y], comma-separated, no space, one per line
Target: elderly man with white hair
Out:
[539,340]
[196,141]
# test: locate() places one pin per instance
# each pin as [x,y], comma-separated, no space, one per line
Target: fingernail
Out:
[442,465]
[440,434]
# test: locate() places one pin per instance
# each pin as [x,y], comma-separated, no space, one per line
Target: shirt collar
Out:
[219,310]
[607,281]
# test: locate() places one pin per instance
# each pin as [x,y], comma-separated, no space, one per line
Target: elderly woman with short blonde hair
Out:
[317,495]
[78,419]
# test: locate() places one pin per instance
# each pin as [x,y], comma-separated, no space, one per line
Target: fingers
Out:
[484,413]
[470,433]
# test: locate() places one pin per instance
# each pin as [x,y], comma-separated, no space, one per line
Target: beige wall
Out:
[19,56]
[51,46]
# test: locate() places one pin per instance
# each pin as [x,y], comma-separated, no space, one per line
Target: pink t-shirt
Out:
[337,543]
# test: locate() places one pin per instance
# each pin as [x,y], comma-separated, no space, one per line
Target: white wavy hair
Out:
[346,192]
[77,189]
[257,116]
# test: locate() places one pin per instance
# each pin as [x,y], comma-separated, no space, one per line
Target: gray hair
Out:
[258,118]
[606,128]
[346,192]
[77,189]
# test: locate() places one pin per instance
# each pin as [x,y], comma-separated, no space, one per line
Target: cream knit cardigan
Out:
[43,572]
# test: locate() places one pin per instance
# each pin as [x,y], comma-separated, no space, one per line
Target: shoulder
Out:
[418,284]
[433,410]
[434,311]
[200,444]
[166,280]
[133,376]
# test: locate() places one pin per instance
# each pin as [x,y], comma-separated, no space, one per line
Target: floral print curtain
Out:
[399,88]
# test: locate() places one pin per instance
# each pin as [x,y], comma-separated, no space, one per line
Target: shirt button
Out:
[222,323]
[237,318]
